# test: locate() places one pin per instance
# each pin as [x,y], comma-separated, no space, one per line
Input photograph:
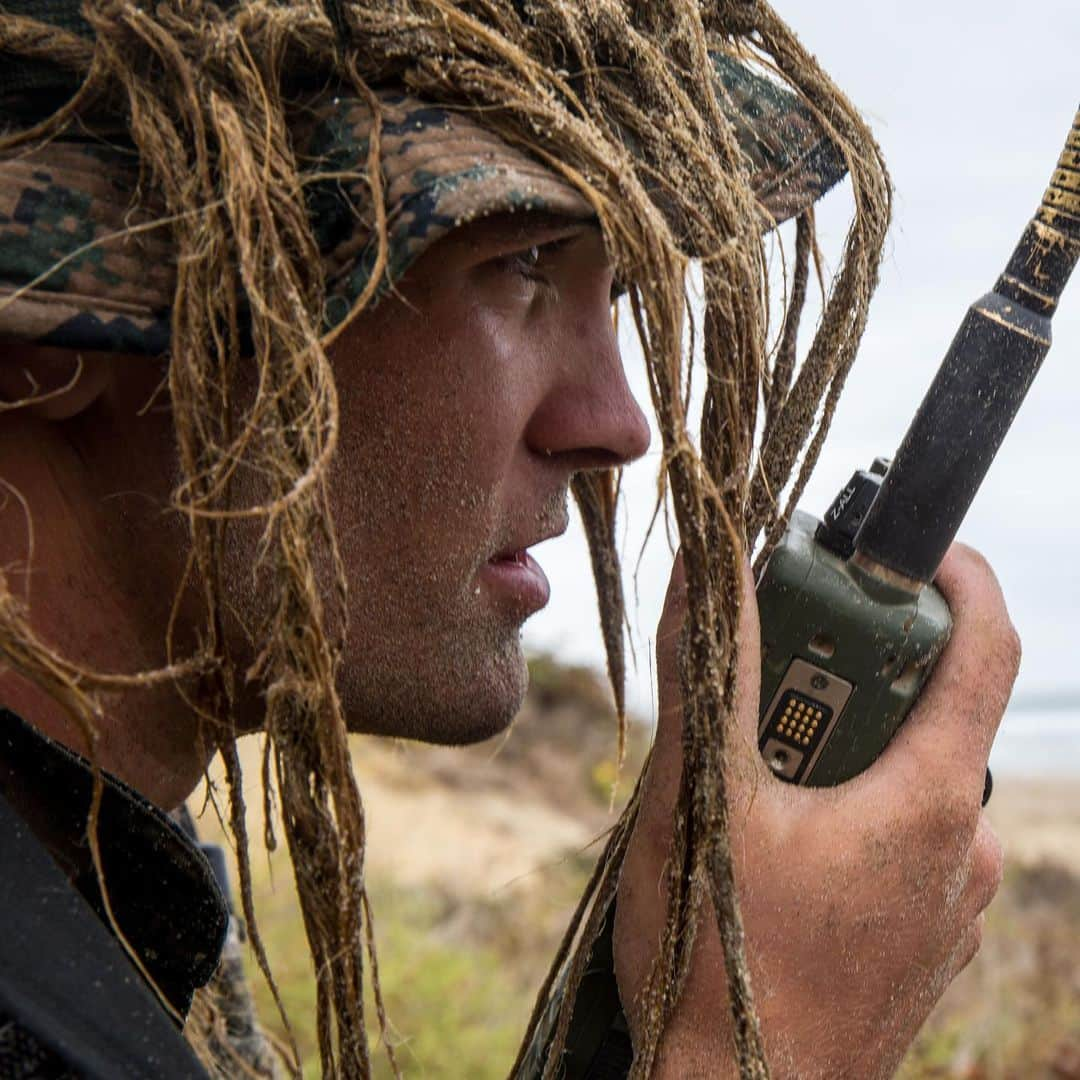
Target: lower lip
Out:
[521,584]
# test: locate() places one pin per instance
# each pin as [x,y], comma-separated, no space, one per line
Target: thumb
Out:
[670,697]
[748,675]
[668,634]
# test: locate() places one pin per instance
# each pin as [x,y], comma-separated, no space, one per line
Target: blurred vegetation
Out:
[461,958]
[1014,1013]
[458,984]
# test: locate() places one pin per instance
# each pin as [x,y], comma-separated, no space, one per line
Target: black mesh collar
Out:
[161,888]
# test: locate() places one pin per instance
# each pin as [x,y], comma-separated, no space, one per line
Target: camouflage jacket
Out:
[71,1002]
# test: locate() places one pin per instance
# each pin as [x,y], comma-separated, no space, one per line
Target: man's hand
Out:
[862,902]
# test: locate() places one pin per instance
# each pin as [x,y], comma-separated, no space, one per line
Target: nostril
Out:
[597,457]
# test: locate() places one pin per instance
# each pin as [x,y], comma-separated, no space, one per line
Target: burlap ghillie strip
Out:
[619,99]
[596,494]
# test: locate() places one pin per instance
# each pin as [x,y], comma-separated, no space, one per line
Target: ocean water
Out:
[1038,742]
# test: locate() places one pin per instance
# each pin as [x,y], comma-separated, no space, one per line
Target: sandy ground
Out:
[474,838]
[468,828]
[455,822]
[440,818]
[467,838]
[1037,820]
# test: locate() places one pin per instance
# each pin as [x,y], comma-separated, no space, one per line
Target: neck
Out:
[160,762]
[75,548]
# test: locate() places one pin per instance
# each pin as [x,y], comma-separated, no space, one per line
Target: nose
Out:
[588,416]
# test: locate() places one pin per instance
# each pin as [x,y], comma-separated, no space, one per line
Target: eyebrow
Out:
[524,226]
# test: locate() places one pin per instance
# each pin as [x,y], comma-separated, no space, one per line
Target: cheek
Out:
[425,450]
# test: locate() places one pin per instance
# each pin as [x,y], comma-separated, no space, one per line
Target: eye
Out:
[526,262]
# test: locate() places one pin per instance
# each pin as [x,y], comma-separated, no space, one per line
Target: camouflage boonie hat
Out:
[83,264]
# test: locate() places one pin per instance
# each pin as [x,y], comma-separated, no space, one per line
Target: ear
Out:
[51,383]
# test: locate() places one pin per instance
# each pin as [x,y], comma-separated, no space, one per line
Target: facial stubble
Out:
[454,673]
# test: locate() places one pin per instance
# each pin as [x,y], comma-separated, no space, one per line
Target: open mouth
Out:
[516,583]
[520,557]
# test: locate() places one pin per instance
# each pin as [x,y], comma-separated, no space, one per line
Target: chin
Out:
[450,700]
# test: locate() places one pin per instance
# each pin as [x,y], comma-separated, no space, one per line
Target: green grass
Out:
[458,979]
[460,972]
[459,1008]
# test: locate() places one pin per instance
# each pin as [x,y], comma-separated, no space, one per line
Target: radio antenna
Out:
[976,393]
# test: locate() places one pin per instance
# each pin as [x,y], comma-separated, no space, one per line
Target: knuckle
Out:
[975,936]
[947,823]
[974,579]
[988,864]
[976,561]
[968,945]
[958,813]
[992,658]
[1002,666]
[1012,648]
[978,585]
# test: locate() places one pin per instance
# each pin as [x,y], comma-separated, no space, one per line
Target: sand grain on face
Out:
[214,146]
[435,408]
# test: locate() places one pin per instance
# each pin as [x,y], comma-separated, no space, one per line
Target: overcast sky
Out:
[971,103]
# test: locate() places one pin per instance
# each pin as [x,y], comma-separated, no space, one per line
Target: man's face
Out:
[468,399]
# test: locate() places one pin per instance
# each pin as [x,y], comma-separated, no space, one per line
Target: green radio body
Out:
[844,656]
[851,626]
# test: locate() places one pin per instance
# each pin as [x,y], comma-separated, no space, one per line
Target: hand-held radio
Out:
[851,627]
